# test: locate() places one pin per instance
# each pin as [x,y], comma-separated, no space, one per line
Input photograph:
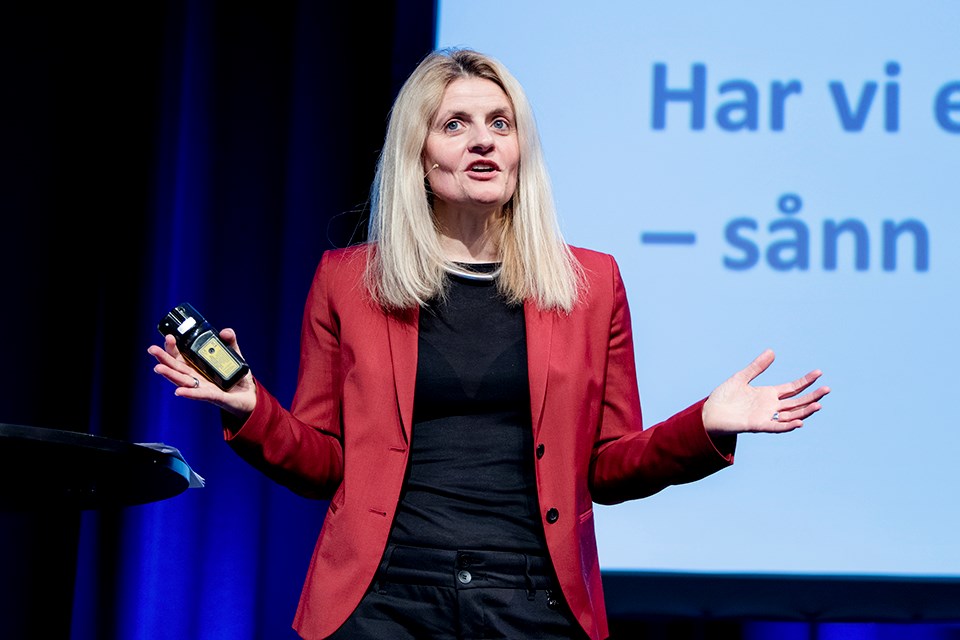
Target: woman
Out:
[467,390]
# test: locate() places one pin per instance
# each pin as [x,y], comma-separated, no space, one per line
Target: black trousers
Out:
[434,594]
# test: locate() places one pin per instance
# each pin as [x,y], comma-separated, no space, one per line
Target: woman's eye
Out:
[501,124]
[453,125]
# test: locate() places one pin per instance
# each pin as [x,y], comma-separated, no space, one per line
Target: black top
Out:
[471,482]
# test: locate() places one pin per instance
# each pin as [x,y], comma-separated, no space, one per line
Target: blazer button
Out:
[552,515]
[539,451]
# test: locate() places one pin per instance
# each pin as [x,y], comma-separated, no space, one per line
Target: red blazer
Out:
[346,437]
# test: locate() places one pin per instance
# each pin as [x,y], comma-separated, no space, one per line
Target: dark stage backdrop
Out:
[156,153]
[208,152]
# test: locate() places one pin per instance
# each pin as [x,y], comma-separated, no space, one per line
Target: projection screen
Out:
[768,175]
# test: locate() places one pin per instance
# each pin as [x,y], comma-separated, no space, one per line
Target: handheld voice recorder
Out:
[200,344]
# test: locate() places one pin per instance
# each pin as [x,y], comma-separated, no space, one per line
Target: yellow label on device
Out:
[217,356]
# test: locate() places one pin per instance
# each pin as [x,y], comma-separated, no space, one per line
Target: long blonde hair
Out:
[406,267]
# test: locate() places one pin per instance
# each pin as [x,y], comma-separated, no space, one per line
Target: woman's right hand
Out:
[239,400]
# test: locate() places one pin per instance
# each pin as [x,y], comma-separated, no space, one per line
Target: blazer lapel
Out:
[402,332]
[539,327]
[403,337]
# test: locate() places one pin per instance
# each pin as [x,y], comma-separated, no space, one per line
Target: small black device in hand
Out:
[200,344]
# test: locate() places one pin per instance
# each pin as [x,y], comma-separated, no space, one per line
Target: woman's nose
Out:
[482,141]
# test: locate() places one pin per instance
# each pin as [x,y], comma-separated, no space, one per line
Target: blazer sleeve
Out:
[301,448]
[628,460]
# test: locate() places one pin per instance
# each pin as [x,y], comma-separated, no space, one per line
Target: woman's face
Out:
[473,143]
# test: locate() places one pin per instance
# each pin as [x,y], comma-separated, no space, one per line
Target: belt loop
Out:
[528,577]
[382,569]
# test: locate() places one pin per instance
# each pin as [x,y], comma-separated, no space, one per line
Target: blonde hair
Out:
[406,267]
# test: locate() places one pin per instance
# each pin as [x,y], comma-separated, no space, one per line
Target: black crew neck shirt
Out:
[471,482]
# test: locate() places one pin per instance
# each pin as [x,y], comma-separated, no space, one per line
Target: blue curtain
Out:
[206,152]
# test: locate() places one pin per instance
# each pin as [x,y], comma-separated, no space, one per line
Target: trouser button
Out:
[464,576]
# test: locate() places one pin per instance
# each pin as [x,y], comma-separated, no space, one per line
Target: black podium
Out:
[51,469]
[48,478]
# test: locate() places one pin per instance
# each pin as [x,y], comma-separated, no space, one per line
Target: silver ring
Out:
[196,384]
[776,417]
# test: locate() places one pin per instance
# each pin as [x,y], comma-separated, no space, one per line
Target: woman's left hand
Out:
[737,407]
